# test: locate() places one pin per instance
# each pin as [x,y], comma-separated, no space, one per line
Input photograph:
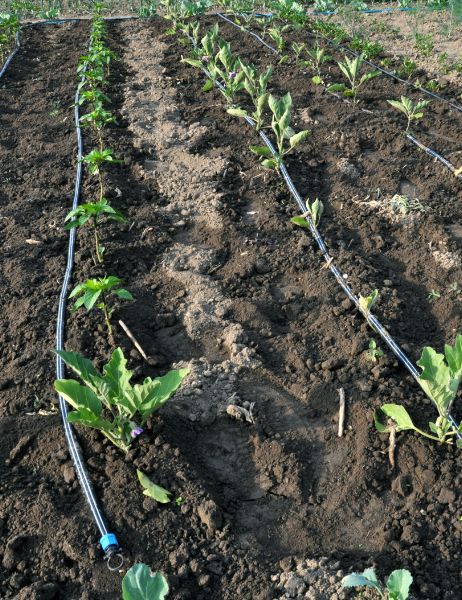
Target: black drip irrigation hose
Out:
[411,138]
[341,279]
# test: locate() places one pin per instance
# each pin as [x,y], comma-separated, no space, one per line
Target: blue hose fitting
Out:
[109,543]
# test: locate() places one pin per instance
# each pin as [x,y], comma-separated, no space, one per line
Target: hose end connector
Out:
[111,549]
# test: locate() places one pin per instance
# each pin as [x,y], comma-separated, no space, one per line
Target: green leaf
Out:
[336,87]
[193,62]
[78,396]
[124,294]
[454,357]
[150,395]
[435,379]
[208,85]
[316,79]
[81,366]
[298,138]
[300,221]
[117,382]
[140,584]
[400,415]
[398,584]
[237,112]
[365,579]
[158,493]
[261,151]
[270,163]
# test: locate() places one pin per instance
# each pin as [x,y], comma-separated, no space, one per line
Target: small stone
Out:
[446,496]
[210,515]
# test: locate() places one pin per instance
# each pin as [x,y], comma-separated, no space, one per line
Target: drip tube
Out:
[431,152]
[365,11]
[12,55]
[108,540]
[370,318]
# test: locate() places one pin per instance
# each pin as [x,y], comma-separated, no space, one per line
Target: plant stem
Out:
[107,320]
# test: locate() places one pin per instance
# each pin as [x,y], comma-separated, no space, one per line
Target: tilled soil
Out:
[225,284]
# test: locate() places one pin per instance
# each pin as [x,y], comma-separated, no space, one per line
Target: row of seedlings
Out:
[107,401]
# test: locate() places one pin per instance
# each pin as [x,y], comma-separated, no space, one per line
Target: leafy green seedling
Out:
[96,158]
[275,34]
[256,86]
[226,68]
[95,292]
[99,118]
[297,49]
[374,352]
[397,587]
[316,58]
[280,124]
[440,379]
[93,212]
[140,584]
[179,501]
[367,302]
[315,209]
[152,490]
[352,71]
[113,392]
[413,111]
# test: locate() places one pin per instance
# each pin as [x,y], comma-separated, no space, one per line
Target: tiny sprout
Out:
[374,351]
[413,111]
[179,501]
[397,586]
[433,295]
[368,302]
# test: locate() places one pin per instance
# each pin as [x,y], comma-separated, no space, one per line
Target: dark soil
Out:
[225,284]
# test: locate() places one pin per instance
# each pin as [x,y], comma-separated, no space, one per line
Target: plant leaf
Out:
[365,579]
[156,492]
[435,379]
[79,396]
[261,151]
[300,221]
[81,366]
[154,392]
[298,137]
[400,415]
[140,584]
[398,584]
[208,85]
[237,112]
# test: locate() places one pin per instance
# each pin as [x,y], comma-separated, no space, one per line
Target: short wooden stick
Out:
[341,412]
[132,338]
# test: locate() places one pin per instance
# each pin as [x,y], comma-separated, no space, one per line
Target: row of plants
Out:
[107,401]
[441,373]
[290,12]
[52,9]
[353,71]
[9,27]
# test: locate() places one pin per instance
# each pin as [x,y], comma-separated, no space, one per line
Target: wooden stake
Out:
[135,343]
[392,443]
[341,412]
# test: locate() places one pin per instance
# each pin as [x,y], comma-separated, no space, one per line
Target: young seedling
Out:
[95,159]
[413,111]
[315,209]
[280,124]
[94,290]
[316,58]
[352,69]
[256,86]
[98,118]
[93,213]
[108,402]
[367,302]
[227,68]
[397,587]
[433,295]
[374,352]
[297,49]
[440,379]
[140,584]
